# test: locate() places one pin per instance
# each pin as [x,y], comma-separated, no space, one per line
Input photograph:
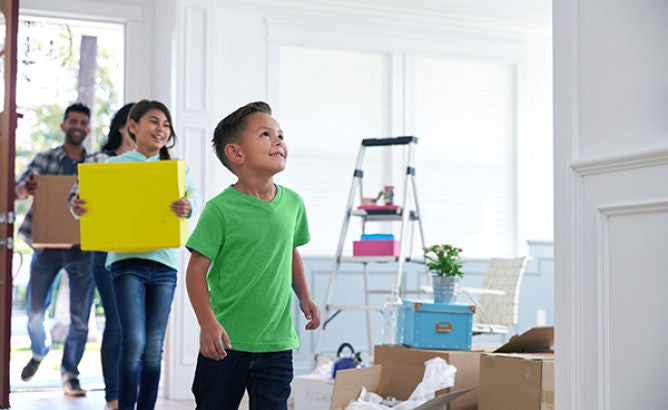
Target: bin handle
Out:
[443,327]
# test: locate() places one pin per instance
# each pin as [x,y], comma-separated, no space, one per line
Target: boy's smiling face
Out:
[262,147]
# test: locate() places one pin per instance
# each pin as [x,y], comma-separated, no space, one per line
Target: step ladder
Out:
[406,213]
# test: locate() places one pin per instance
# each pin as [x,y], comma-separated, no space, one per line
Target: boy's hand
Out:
[312,314]
[210,339]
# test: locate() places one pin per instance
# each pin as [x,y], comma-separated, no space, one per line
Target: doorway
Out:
[52,55]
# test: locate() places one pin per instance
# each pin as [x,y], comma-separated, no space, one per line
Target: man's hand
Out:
[28,187]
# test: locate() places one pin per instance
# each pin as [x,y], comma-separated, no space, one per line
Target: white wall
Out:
[246,70]
[611,170]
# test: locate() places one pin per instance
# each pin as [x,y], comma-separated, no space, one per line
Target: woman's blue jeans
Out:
[220,384]
[44,268]
[111,337]
[144,291]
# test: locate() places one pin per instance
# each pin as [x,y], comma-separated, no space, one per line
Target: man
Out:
[46,263]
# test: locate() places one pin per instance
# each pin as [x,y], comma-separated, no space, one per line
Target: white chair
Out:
[498,296]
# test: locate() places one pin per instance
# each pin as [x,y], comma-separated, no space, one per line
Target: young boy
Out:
[248,235]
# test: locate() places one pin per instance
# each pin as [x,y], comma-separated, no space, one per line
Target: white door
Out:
[611,203]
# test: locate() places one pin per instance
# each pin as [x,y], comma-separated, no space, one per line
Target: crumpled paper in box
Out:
[438,374]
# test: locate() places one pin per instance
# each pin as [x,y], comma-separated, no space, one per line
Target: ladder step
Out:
[394,215]
[377,259]
[377,142]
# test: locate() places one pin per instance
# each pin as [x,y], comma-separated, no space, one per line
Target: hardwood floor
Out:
[56,400]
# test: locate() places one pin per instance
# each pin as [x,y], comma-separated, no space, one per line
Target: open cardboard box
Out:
[397,381]
[466,362]
[53,226]
[520,374]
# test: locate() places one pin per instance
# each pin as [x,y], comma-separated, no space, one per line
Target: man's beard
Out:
[73,138]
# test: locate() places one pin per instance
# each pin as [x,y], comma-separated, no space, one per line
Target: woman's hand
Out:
[77,206]
[182,207]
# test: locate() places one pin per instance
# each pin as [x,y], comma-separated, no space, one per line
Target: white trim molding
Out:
[619,162]
[604,215]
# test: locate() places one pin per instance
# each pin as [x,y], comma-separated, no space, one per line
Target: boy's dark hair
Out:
[142,107]
[229,129]
[118,121]
[76,107]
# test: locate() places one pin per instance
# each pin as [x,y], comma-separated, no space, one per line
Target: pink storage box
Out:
[383,247]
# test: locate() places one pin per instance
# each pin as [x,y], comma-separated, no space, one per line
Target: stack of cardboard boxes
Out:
[520,374]
[517,376]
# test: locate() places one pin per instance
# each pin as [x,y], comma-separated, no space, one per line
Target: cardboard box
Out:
[312,392]
[376,247]
[388,381]
[466,362]
[128,205]
[53,226]
[427,325]
[522,380]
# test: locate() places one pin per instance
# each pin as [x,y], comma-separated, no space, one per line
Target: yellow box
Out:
[128,206]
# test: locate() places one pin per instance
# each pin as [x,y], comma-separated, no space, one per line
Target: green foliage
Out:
[442,260]
[47,83]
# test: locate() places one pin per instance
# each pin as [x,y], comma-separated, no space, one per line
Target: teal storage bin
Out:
[423,324]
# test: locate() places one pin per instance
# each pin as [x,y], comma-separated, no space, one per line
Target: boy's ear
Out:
[233,152]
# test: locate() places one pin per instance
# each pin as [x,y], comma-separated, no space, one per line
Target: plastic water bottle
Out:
[390,317]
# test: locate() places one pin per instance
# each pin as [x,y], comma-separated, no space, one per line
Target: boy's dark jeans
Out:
[220,384]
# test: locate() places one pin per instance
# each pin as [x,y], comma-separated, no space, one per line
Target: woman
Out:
[144,282]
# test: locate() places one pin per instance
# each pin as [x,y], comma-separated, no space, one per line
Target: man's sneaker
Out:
[72,388]
[30,369]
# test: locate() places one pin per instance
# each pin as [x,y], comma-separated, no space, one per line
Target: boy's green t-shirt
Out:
[250,243]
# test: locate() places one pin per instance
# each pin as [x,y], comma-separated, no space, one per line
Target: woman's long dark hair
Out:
[118,121]
[142,107]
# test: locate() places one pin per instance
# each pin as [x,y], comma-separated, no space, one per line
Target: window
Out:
[329,101]
[48,79]
[461,110]
[464,114]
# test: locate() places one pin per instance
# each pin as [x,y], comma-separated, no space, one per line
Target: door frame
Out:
[8,117]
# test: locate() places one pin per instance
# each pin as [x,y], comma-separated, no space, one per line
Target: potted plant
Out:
[443,263]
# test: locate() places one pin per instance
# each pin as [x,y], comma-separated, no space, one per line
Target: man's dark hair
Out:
[229,129]
[76,107]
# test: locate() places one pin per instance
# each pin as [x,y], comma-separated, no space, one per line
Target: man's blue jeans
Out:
[111,337]
[44,268]
[144,291]
[220,384]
